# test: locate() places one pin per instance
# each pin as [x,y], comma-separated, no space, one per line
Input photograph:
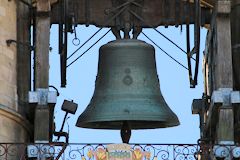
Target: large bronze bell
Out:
[127,90]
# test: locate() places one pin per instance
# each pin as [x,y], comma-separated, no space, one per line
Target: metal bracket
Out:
[197,106]
[42,96]
[225,96]
[10,41]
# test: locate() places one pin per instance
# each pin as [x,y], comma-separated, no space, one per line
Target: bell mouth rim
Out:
[134,124]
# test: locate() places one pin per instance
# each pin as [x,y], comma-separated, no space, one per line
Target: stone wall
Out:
[13,126]
[8,58]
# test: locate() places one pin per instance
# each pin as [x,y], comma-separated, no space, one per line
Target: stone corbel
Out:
[42,96]
[225,96]
[223,6]
[44,5]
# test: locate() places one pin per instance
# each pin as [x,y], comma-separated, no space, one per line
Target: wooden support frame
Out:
[43,113]
[24,64]
[155,12]
[235,25]
[23,58]
[220,115]
[223,70]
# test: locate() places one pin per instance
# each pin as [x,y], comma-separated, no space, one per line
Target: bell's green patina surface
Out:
[127,89]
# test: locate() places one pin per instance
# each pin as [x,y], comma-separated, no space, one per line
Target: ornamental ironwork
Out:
[62,151]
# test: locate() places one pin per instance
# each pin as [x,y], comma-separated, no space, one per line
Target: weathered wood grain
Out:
[154,13]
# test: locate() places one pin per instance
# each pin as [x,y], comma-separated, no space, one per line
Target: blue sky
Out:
[173,82]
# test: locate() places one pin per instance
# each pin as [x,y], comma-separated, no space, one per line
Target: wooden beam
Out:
[42,44]
[23,60]
[235,32]
[42,111]
[235,26]
[154,12]
[223,75]
[225,129]
[41,126]
[220,116]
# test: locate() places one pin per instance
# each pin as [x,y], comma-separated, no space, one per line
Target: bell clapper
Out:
[125,132]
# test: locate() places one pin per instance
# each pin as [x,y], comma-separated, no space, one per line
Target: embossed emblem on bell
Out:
[127,90]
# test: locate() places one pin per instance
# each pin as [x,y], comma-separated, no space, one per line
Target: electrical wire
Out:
[89,48]
[164,51]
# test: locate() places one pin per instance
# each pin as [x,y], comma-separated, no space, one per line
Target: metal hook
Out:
[76,41]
